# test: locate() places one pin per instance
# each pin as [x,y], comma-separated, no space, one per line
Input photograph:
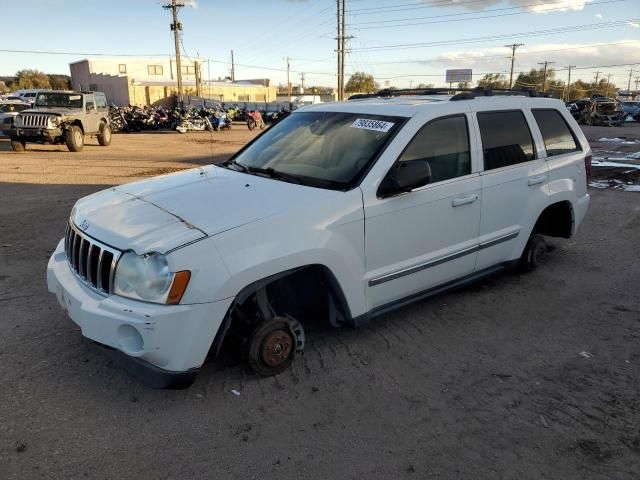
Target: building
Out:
[152,81]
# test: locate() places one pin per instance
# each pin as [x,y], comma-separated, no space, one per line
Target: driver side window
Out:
[444,144]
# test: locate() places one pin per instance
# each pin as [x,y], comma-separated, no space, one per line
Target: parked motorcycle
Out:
[220,120]
[194,124]
[255,120]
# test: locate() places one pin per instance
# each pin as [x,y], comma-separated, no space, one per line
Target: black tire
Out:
[104,135]
[17,145]
[271,347]
[534,253]
[251,124]
[74,138]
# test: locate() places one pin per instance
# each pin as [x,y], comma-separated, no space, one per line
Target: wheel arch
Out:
[556,220]
[339,311]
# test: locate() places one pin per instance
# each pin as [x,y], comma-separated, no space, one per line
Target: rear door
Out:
[514,183]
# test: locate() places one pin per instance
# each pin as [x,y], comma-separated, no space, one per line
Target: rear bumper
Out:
[160,345]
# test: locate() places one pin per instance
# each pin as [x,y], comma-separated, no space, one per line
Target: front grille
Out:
[92,261]
[31,120]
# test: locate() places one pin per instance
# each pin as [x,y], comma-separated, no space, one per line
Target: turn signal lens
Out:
[180,282]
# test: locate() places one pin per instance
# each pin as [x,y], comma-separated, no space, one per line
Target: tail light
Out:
[587,167]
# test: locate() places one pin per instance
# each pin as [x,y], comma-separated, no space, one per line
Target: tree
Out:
[361,82]
[493,80]
[535,79]
[579,90]
[463,84]
[60,82]
[31,79]
[425,85]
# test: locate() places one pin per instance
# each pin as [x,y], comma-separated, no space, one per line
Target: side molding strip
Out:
[423,266]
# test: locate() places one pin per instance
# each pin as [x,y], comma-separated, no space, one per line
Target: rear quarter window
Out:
[506,138]
[556,133]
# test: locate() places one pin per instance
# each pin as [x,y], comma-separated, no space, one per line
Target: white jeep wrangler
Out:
[341,211]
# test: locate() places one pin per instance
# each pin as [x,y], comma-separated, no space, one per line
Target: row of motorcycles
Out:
[137,119]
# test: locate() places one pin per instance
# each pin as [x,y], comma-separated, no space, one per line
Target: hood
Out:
[59,111]
[171,210]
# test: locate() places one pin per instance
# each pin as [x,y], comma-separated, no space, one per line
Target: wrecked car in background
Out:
[602,112]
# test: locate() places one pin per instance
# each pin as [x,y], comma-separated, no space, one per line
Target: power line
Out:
[471,17]
[533,33]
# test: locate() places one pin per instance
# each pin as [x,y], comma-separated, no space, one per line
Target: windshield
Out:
[56,99]
[321,149]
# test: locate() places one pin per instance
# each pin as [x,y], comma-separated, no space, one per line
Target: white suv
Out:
[341,211]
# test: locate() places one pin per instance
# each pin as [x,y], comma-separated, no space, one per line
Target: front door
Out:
[92,115]
[427,237]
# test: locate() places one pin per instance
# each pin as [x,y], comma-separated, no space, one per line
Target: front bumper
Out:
[161,343]
[48,134]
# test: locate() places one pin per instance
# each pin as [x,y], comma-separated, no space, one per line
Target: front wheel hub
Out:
[276,348]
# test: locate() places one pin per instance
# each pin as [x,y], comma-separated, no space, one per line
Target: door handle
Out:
[464,200]
[536,180]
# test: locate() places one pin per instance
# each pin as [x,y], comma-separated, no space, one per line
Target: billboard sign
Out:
[462,75]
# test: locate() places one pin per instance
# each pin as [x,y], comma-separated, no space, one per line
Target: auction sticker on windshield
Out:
[375,125]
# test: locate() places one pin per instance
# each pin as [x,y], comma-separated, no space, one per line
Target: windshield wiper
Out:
[240,166]
[272,173]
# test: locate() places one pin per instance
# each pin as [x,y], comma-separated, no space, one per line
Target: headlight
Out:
[147,278]
[54,121]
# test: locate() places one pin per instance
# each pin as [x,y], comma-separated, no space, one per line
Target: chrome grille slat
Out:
[93,262]
[33,120]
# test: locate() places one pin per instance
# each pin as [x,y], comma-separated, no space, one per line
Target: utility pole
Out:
[637,79]
[544,74]
[176,28]
[197,70]
[288,80]
[595,84]
[513,48]
[338,51]
[302,81]
[629,84]
[344,14]
[233,68]
[569,67]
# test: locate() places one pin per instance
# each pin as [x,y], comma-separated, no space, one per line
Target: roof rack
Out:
[464,93]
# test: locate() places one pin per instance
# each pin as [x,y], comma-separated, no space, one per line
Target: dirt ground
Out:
[518,377]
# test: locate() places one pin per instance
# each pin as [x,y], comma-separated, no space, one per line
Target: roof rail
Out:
[458,93]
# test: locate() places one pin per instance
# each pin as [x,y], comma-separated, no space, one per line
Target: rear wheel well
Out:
[555,221]
[310,294]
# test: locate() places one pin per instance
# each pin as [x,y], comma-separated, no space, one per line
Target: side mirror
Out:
[405,176]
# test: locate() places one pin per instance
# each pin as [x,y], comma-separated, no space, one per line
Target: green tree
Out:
[579,90]
[463,84]
[361,82]
[31,79]
[425,85]
[493,80]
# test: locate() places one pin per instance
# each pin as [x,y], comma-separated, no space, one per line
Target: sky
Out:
[401,42]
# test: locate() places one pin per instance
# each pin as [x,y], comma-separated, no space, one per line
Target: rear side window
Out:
[101,101]
[506,138]
[557,135]
[444,143]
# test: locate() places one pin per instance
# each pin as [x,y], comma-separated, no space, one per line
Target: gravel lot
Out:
[518,377]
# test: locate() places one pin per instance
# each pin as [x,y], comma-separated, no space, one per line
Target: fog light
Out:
[130,339]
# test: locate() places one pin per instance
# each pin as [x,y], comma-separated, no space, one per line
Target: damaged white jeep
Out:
[340,212]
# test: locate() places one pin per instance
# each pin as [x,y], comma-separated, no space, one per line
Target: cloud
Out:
[537,6]
[191,3]
[598,15]
[583,55]
[634,24]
